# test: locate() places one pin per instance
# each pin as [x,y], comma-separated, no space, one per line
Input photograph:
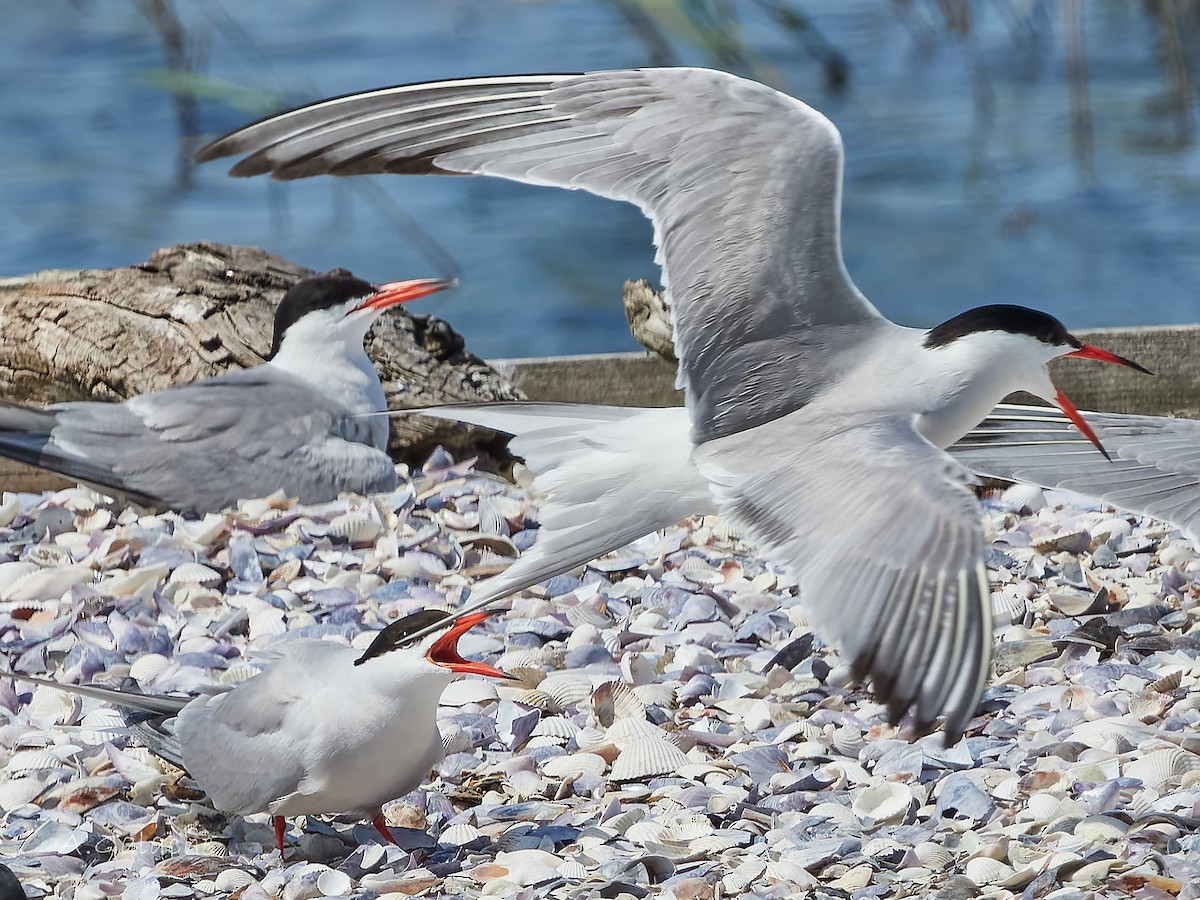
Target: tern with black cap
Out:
[293,423]
[322,729]
[818,424]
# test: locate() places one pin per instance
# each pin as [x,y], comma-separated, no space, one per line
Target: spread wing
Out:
[1155,466]
[882,533]
[742,183]
[208,444]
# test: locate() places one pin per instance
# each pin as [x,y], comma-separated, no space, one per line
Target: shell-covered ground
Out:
[648,751]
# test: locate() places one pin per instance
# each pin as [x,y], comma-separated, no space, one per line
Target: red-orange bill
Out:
[444,651]
[1072,413]
[395,292]
[1087,351]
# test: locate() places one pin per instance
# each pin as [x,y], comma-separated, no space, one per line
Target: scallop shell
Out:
[574,765]
[1168,683]
[616,700]
[557,727]
[1041,807]
[93,520]
[643,831]
[593,739]
[16,792]
[238,673]
[1148,706]
[848,740]
[933,856]
[983,870]
[636,669]
[885,802]
[656,694]
[147,667]
[568,688]
[231,880]
[459,834]
[24,761]
[214,849]
[625,731]
[689,828]
[854,879]
[1101,829]
[1158,768]
[537,699]
[700,571]
[573,869]
[355,528]
[46,584]
[195,573]
[646,757]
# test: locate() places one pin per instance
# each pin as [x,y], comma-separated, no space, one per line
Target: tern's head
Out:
[1020,342]
[331,308]
[438,650]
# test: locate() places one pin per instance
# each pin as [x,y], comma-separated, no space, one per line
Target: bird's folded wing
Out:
[208,444]
[1155,467]
[884,536]
[247,747]
[743,185]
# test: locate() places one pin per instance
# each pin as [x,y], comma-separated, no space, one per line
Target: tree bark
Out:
[196,310]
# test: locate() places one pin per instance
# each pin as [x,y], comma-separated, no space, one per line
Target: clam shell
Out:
[933,856]
[16,792]
[574,765]
[616,700]
[333,883]
[646,757]
[885,802]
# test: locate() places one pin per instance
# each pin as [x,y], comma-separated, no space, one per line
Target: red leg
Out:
[382,828]
[280,826]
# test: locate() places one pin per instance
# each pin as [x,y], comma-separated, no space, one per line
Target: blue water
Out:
[964,183]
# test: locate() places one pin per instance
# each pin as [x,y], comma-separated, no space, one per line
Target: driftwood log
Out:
[196,310]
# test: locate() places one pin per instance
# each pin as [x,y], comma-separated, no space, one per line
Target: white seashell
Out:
[737,881]
[885,802]
[9,509]
[265,620]
[983,870]
[147,667]
[93,520]
[848,740]
[646,757]
[933,856]
[537,699]
[24,761]
[625,731]
[643,831]
[459,834]
[46,584]
[11,572]
[1101,829]
[238,673]
[574,765]
[593,739]
[230,880]
[1158,768]
[568,688]
[615,700]
[573,869]
[50,705]
[48,556]
[355,528]
[657,694]
[136,582]
[1148,706]
[210,848]
[195,573]
[853,879]
[205,531]
[699,571]
[689,828]
[1165,685]
[16,792]
[636,669]
[470,690]
[557,727]
[334,883]
[1041,807]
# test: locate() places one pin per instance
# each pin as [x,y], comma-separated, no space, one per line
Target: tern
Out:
[323,729]
[817,423]
[293,422]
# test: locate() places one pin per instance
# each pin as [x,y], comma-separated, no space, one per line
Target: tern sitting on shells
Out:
[291,423]
[323,729]
[817,422]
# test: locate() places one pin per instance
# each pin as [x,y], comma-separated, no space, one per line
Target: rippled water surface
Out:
[1009,155]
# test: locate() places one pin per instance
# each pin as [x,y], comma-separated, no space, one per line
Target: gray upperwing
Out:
[743,185]
[208,444]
